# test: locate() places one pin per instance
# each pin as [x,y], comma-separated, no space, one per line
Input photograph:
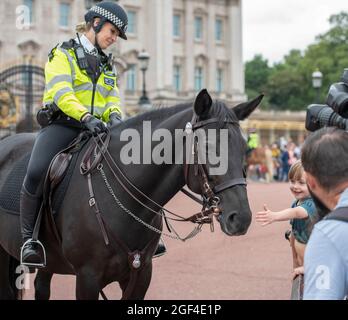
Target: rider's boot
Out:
[29,206]
[161,249]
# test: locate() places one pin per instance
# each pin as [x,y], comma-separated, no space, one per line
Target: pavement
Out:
[213,266]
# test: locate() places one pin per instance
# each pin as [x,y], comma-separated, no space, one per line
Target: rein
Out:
[210,200]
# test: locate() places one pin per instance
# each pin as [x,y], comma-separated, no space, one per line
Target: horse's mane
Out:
[156,115]
[219,110]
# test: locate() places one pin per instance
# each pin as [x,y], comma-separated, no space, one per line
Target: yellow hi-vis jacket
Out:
[71,88]
[253,141]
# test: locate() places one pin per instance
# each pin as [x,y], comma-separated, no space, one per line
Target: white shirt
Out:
[87,45]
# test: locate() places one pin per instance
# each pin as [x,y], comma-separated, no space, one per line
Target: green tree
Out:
[288,85]
[257,72]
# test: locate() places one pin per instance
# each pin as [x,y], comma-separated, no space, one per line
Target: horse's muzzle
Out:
[232,224]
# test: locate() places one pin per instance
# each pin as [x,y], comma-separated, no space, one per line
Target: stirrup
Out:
[35,265]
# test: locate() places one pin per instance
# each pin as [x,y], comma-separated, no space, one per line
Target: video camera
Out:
[335,112]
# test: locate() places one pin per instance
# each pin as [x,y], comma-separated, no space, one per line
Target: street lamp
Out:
[317,78]
[144,58]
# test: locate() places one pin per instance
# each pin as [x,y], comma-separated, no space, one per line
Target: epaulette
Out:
[106,60]
[68,44]
[51,54]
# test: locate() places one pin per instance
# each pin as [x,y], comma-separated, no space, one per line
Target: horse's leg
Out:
[87,285]
[17,277]
[7,291]
[42,285]
[141,286]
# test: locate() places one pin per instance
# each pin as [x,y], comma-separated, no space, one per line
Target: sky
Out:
[274,27]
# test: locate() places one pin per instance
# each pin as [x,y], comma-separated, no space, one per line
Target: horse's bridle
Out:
[211,202]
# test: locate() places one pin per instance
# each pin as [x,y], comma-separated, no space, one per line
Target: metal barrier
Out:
[21,91]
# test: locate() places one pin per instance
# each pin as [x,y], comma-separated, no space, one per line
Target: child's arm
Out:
[267,216]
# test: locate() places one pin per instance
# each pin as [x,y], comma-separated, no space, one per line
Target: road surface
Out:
[214,266]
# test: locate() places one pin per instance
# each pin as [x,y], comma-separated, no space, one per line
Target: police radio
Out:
[81,55]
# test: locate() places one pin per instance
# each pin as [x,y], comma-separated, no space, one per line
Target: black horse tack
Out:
[83,250]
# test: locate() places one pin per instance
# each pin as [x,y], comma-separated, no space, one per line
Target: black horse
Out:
[127,258]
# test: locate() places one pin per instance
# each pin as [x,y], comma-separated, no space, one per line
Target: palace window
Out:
[131,78]
[218,30]
[199,81]
[177,78]
[30,5]
[132,22]
[198,28]
[219,80]
[64,14]
[176,25]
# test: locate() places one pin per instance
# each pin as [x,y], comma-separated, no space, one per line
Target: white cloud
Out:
[274,27]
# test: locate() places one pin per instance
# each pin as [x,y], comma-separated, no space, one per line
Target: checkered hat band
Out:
[110,16]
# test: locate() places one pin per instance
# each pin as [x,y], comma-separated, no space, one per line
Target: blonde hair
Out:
[296,171]
[83,27]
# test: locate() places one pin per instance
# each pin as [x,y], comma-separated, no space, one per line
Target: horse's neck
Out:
[159,182]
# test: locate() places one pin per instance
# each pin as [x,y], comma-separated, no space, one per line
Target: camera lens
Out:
[319,116]
[345,76]
[337,98]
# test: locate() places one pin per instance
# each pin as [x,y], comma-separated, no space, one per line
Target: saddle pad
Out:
[10,192]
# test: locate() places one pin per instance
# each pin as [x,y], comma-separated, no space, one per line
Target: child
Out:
[302,215]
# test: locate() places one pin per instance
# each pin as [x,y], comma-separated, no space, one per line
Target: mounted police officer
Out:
[80,94]
[253,141]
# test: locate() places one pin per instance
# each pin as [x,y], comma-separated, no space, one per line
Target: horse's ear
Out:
[202,103]
[244,109]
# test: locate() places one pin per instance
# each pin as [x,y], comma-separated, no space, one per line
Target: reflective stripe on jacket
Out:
[253,140]
[71,88]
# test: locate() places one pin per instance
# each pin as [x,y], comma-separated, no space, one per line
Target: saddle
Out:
[60,170]
[56,181]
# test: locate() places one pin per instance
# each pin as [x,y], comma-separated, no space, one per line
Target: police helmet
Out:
[111,12]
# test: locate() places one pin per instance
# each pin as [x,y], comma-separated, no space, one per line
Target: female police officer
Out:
[81,86]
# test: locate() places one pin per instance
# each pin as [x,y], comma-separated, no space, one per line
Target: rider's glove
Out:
[93,124]
[114,119]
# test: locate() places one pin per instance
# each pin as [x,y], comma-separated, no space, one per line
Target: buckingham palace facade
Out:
[192,44]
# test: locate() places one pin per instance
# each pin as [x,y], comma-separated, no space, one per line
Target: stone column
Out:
[160,46]
[236,85]
[188,84]
[211,48]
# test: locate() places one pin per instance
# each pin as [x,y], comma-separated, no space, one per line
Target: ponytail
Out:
[83,27]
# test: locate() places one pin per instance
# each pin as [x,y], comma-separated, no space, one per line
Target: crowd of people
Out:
[271,162]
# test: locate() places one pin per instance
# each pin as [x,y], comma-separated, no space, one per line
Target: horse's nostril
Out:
[231,217]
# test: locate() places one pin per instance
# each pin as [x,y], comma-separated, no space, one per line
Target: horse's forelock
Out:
[221,111]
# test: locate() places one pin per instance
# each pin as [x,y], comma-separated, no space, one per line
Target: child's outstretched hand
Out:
[265,217]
